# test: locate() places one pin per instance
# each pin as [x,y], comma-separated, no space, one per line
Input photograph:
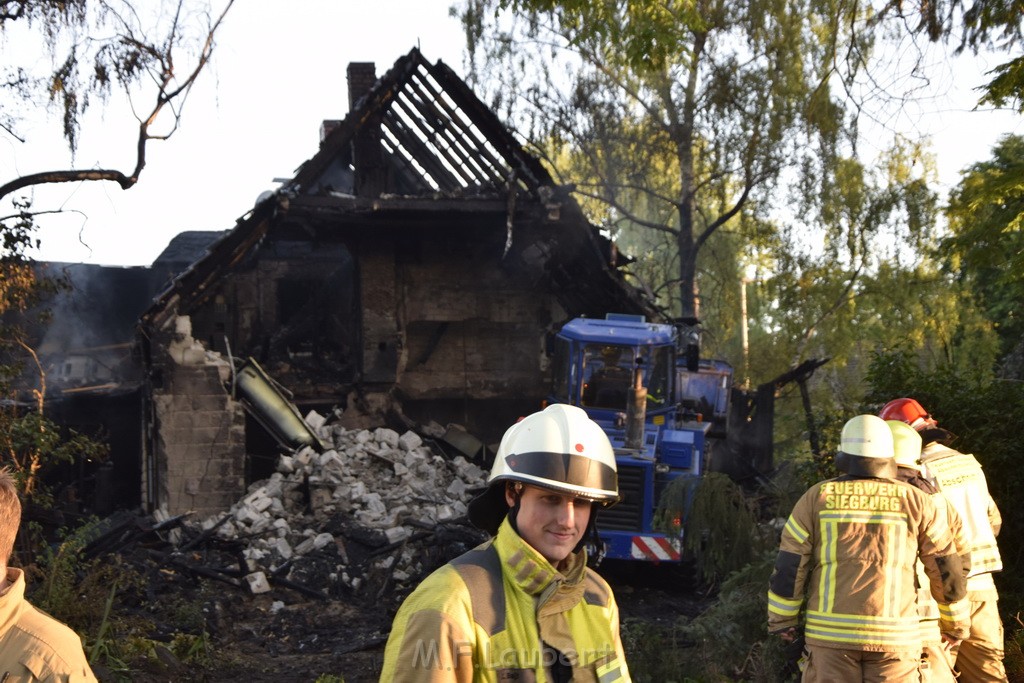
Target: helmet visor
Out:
[577,471]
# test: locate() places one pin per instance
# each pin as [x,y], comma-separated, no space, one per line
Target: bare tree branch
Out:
[166,97]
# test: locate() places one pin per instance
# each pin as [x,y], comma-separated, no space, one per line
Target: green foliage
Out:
[1008,85]
[680,119]
[731,637]
[654,652]
[31,443]
[21,289]
[192,648]
[720,523]
[74,590]
[979,26]
[91,597]
[647,35]
[727,642]
[986,247]
[329,678]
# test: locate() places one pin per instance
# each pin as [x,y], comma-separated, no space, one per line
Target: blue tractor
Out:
[661,407]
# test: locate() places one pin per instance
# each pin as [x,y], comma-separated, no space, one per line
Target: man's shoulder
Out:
[53,643]
[454,577]
[596,590]
[936,451]
[40,625]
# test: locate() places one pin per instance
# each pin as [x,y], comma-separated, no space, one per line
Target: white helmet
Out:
[906,443]
[866,436]
[558,448]
[865,448]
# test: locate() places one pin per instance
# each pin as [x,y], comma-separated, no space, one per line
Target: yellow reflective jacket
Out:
[960,478]
[846,560]
[485,616]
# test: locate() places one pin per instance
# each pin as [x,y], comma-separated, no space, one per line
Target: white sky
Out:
[278,71]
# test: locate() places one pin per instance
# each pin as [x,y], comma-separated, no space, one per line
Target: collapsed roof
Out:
[418,147]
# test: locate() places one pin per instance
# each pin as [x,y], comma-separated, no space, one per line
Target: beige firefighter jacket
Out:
[960,478]
[33,645]
[485,616]
[846,561]
[932,614]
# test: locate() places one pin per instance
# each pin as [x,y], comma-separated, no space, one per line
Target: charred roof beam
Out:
[526,166]
[410,173]
[457,140]
[418,153]
[432,139]
[462,122]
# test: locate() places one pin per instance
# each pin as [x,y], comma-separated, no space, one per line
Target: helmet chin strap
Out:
[590,533]
[516,490]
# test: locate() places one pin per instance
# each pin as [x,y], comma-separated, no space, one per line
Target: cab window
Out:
[607,375]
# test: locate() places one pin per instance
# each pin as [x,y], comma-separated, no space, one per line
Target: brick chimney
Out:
[361,77]
[367,157]
[327,127]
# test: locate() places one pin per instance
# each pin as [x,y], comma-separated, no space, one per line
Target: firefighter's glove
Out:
[788,635]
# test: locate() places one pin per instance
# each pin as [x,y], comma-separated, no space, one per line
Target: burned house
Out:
[412,269]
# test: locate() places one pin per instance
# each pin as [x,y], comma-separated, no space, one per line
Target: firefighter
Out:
[845,564]
[609,386]
[936,655]
[959,476]
[523,606]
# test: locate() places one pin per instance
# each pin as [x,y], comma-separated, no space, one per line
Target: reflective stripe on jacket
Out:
[846,560]
[960,477]
[486,615]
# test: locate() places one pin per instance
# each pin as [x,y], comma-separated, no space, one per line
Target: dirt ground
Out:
[285,635]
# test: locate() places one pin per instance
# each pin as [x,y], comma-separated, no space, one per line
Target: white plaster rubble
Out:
[391,484]
[258,582]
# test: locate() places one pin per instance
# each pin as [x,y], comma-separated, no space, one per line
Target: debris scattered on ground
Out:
[372,514]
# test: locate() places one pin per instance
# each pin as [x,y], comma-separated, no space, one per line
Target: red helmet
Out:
[907,410]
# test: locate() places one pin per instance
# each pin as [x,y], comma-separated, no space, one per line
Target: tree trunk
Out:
[684,128]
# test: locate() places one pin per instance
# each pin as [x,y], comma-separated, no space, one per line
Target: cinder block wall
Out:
[200,446]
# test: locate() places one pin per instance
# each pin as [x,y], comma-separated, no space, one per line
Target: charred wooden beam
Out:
[526,165]
[426,134]
[340,138]
[445,128]
[418,151]
[468,132]
[356,209]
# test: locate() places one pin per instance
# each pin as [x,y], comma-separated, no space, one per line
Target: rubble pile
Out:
[376,510]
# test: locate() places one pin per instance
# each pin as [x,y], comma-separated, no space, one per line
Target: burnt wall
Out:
[470,327]
[427,314]
[472,331]
[292,307]
[198,447]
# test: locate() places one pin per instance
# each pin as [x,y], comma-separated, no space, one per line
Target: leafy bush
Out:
[721,525]
[655,653]
[728,642]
